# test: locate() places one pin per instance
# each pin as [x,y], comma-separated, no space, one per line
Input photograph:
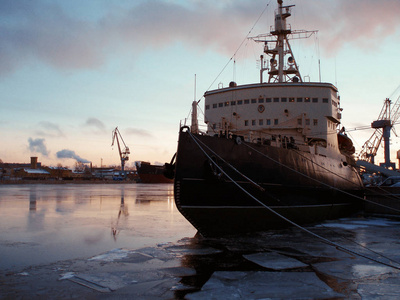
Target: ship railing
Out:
[287,29]
[293,35]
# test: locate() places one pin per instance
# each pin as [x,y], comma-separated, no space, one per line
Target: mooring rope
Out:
[232,167]
[325,240]
[320,182]
[322,167]
[386,193]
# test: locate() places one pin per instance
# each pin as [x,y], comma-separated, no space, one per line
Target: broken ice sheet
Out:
[111,255]
[263,285]
[100,280]
[123,255]
[275,261]
[66,275]
[351,269]
[352,224]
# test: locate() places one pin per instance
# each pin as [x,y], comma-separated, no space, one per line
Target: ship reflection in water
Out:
[46,223]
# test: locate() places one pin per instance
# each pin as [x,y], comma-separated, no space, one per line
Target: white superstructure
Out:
[283,112]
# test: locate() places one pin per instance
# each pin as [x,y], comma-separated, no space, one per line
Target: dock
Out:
[387,201]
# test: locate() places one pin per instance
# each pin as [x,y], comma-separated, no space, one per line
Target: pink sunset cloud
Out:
[35,30]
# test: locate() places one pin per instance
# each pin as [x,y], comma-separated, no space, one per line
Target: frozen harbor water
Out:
[45,223]
[285,264]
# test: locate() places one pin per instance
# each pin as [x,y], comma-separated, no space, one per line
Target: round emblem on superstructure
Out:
[261,108]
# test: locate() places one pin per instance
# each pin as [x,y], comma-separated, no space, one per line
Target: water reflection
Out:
[158,192]
[32,199]
[123,210]
[44,223]
[36,218]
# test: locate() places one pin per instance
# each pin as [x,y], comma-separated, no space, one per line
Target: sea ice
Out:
[111,255]
[275,261]
[264,285]
[352,268]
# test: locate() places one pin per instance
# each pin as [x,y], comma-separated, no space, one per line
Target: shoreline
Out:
[47,181]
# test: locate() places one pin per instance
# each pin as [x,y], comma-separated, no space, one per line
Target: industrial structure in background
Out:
[388,117]
[123,154]
[35,171]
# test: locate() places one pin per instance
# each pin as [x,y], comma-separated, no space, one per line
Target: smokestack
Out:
[33,162]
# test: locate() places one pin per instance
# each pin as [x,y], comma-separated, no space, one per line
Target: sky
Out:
[72,71]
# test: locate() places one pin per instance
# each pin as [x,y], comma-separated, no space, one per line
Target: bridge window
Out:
[315,100]
[233,102]
[253,100]
[291,99]
[283,99]
[246,101]
[220,104]
[239,102]
[268,121]
[276,121]
[276,99]
[246,122]
[261,100]
[315,122]
[325,100]
[299,99]
[268,100]
[207,107]
[215,105]
[261,122]
[307,99]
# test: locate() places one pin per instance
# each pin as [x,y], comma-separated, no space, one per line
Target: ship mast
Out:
[277,48]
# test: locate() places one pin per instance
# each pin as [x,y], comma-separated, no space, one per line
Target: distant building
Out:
[34,164]
[60,173]
[24,171]
[31,174]
[103,173]
[30,170]
[35,171]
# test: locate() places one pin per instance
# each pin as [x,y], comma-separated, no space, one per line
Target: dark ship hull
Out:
[302,187]
[273,153]
[149,173]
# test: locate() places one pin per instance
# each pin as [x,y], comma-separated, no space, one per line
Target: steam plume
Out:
[65,153]
[37,145]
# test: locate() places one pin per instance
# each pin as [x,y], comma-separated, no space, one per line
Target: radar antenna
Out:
[277,48]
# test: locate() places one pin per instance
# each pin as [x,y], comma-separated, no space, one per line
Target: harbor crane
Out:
[388,117]
[123,154]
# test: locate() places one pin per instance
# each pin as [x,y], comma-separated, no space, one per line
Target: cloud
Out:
[45,31]
[138,132]
[65,153]
[41,30]
[95,123]
[38,146]
[360,23]
[49,129]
